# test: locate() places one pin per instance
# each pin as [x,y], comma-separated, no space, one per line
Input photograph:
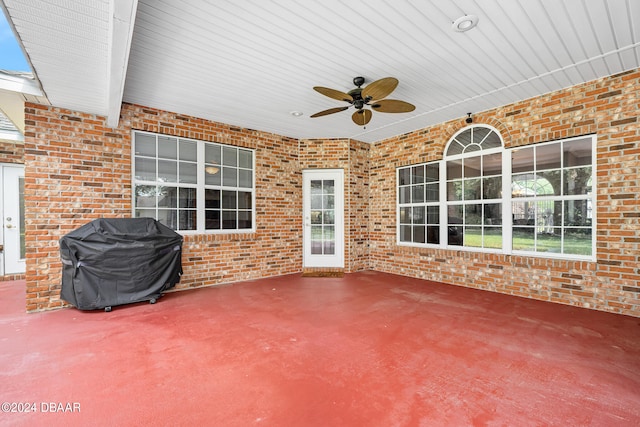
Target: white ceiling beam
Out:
[122,15]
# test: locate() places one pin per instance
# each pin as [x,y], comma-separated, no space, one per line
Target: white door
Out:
[13,251]
[323,217]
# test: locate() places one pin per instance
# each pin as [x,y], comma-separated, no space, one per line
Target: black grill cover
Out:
[113,261]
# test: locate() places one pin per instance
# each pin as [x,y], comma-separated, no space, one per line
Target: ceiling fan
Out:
[372,95]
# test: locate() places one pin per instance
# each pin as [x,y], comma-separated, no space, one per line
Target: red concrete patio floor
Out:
[369,349]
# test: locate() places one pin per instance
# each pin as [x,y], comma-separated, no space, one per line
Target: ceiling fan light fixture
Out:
[465,23]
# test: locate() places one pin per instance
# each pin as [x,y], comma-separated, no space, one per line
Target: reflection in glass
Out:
[418,193]
[577,181]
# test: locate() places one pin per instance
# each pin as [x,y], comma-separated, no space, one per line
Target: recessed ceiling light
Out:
[296,113]
[465,23]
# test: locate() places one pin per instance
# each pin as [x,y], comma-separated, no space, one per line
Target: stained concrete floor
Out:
[369,349]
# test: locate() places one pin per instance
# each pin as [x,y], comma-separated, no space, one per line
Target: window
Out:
[192,185]
[474,189]
[552,192]
[534,200]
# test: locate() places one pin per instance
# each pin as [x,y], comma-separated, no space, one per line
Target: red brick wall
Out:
[77,170]
[353,157]
[607,107]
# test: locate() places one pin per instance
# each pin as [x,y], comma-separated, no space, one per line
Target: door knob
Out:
[9,226]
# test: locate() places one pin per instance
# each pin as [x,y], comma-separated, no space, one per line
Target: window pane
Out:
[418,194]
[577,152]
[577,213]
[188,173]
[316,186]
[168,197]
[548,156]
[145,145]
[492,238]
[522,160]
[433,235]
[145,169]
[523,185]
[328,186]
[245,159]
[244,200]
[167,171]
[473,237]
[433,172]
[454,169]
[493,214]
[548,183]
[433,215]
[549,243]
[316,240]
[229,156]
[212,175]
[167,148]
[417,174]
[229,177]
[146,196]
[491,141]
[472,166]
[454,190]
[405,215]
[187,198]
[188,150]
[578,241]
[405,233]
[211,198]
[472,214]
[245,178]
[316,201]
[329,240]
[244,220]
[577,181]
[212,219]
[492,164]
[229,220]
[405,195]
[523,239]
[419,234]
[455,235]
[168,217]
[229,200]
[492,187]
[316,217]
[329,217]
[472,189]
[187,219]
[145,213]
[212,154]
[328,202]
[418,215]
[433,192]
[404,176]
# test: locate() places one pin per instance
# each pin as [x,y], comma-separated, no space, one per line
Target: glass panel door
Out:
[323,206]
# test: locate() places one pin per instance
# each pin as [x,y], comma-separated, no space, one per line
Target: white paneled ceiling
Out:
[250,63]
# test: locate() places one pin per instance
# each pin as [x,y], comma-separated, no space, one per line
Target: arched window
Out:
[474,188]
[535,200]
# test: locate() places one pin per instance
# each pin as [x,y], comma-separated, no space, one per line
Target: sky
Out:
[11,57]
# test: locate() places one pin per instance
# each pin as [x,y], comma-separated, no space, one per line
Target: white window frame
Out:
[506,200]
[200,185]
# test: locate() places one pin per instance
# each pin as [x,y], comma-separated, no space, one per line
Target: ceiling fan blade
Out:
[330,111]
[361,117]
[380,88]
[392,106]
[335,94]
